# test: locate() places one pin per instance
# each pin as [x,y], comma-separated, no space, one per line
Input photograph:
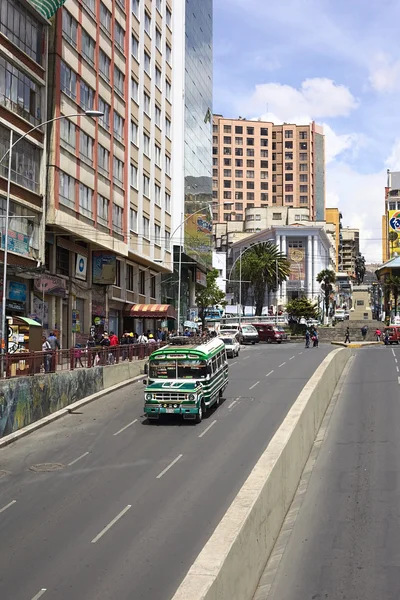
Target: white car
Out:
[232,345]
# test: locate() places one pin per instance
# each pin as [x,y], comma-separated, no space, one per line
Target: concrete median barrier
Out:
[231,563]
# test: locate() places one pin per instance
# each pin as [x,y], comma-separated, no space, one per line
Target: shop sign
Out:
[81,267]
[17,242]
[48,284]
[76,324]
[17,291]
[201,278]
[15,306]
[104,268]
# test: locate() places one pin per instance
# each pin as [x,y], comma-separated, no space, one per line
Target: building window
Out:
[238,152]
[238,205]
[303,167]
[22,29]
[133,220]
[118,215]
[227,129]
[227,162]
[288,166]
[167,240]
[303,156]
[238,162]
[147,23]
[288,133]
[303,178]
[227,205]
[135,47]
[303,145]
[250,130]
[68,81]
[239,185]
[264,198]
[104,64]
[146,186]
[263,143]
[168,128]
[153,284]
[264,131]
[227,172]
[86,96]
[303,199]
[167,202]
[303,135]
[250,152]
[250,196]
[130,277]
[288,198]
[88,46]
[250,141]
[227,140]
[168,17]
[134,133]
[67,190]
[118,171]
[104,108]
[135,90]
[103,205]
[238,173]
[147,63]
[146,104]
[146,145]
[250,185]
[168,90]
[157,194]
[136,7]
[289,145]
[303,189]
[103,160]
[238,129]
[69,27]
[62,261]
[85,201]
[227,151]
[86,146]
[264,153]
[158,78]
[263,174]
[168,53]
[167,165]
[117,281]
[238,195]
[119,36]
[238,217]
[250,174]
[157,116]
[142,283]
[158,39]
[227,217]
[118,126]
[289,187]
[134,176]
[68,133]
[273,199]
[105,17]
[119,81]
[250,163]
[157,158]
[288,176]
[276,216]
[227,183]
[19,93]
[146,227]
[264,185]
[157,236]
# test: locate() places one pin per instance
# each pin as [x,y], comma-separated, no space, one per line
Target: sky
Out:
[333,61]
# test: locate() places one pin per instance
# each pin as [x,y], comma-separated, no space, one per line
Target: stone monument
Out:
[361,310]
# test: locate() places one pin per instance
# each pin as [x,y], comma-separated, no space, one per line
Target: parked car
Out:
[270,333]
[232,345]
[394,334]
[250,334]
[340,314]
[232,329]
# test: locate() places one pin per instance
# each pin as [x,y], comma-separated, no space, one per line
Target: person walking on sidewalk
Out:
[347,336]
[364,331]
[378,334]
[315,338]
[307,339]
[55,345]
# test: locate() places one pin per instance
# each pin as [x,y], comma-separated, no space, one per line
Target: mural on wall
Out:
[25,400]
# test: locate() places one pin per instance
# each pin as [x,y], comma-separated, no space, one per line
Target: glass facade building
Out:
[198,130]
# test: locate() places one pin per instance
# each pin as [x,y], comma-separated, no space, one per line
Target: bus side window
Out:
[209,368]
[214,364]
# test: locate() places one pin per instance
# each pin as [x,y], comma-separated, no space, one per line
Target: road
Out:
[100,505]
[345,539]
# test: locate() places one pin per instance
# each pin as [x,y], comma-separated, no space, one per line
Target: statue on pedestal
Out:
[360,268]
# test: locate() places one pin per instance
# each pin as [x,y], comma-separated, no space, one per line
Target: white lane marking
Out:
[117,518]
[39,594]
[234,363]
[292,357]
[398,379]
[300,353]
[397,369]
[208,429]
[254,385]
[126,427]
[246,357]
[270,373]
[79,458]
[393,352]
[232,404]
[395,360]
[282,365]
[169,466]
[7,506]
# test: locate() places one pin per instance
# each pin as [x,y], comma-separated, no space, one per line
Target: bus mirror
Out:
[145,381]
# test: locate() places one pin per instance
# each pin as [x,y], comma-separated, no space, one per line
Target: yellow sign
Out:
[394,232]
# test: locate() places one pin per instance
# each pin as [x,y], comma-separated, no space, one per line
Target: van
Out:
[394,334]
[268,332]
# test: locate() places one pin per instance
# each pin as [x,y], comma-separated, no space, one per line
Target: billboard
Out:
[394,232]
[198,236]
[104,268]
[297,275]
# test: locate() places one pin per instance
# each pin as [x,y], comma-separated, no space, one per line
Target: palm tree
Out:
[393,283]
[327,277]
[264,266]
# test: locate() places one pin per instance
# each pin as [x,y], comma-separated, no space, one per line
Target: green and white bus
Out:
[186,380]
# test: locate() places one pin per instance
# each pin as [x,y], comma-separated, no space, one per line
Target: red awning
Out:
[151,311]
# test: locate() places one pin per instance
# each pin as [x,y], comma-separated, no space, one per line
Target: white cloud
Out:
[384,73]
[336,144]
[393,160]
[319,97]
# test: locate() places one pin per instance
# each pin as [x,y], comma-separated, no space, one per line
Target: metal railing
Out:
[23,364]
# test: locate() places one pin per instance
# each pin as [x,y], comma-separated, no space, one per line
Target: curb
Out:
[356,344]
[17,435]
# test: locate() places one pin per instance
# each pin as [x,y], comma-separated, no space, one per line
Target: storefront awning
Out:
[151,311]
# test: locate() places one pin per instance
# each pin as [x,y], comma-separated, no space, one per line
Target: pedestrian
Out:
[378,334]
[315,338]
[159,335]
[124,342]
[386,338]
[47,356]
[364,331]
[78,355]
[104,343]
[113,339]
[55,345]
[151,339]
[142,339]
[307,338]
[347,336]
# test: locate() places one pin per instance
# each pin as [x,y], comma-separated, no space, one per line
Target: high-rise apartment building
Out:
[109,179]
[259,164]
[192,152]
[350,242]
[23,76]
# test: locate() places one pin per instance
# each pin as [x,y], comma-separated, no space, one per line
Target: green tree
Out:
[327,277]
[393,283]
[302,307]
[209,296]
[264,266]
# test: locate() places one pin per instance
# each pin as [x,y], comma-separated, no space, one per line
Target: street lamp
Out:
[87,113]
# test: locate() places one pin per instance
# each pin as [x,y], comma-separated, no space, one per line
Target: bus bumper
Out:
[153,411]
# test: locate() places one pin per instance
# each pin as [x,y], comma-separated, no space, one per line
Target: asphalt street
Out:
[345,540]
[101,505]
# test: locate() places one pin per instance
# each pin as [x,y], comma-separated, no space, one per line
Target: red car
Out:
[268,332]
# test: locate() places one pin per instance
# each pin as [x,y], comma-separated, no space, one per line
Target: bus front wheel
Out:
[199,416]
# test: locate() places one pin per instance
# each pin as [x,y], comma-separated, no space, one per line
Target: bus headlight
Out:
[149,396]
[192,397]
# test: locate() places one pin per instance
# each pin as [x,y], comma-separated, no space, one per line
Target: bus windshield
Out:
[178,369]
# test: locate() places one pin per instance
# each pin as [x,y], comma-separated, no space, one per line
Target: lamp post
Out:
[87,113]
